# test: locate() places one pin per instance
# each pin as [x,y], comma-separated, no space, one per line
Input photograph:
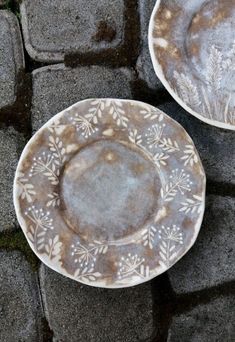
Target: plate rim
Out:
[62,271]
[159,73]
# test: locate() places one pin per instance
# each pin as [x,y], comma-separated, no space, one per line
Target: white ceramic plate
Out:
[110,192]
[192,46]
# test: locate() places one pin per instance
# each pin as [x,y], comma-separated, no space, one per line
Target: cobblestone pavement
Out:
[73,50]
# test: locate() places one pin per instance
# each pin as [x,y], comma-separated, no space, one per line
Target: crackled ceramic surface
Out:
[192,45]
[110,192]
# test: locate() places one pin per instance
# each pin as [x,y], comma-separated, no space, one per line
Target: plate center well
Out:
[109,190]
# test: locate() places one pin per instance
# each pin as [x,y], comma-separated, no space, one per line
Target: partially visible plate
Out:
[192,46]
[110,192]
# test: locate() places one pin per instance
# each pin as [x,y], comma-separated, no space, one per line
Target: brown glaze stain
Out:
[219,14]
[194,48]
[187,223]
[164,21]
[69,131]
[110,157]
[138,169]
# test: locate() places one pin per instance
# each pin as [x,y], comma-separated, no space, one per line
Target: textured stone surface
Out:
[80,313]
[144,64]
[11,144]
[57,87]
[212,259]
[11,57]
[20,309]
[53,28]
[215,145]
[212,322]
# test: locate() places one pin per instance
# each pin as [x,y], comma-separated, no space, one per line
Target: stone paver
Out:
[215,145]
[57,87]
[53,28]
[11,144]
[11,57]
[80,313]
[144,64]
[212,259]
[211,322]
[20,310]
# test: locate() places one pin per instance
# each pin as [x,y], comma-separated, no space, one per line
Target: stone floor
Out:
[54,53]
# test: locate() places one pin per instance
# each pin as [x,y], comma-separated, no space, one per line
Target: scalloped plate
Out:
[192,46]
[110,192]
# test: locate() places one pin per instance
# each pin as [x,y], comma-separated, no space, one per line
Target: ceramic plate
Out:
[110,192]
[192,45]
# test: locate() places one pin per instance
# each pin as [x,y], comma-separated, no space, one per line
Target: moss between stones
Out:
[15,240]
[13,5]
[8,5]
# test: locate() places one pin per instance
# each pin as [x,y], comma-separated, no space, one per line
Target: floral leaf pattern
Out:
[54,200]
[188,91]
[217,71]
[155,139]
[134,137]
[151,114]
[169,238]
[154,135]
[169,145]
[179,183]
[148,236]
[53,248]
[192,205]
[214,69]
[26,189]
[95,111]
[190,156]
[133,265]
[87,274]
[57,149]
[46,165]
[41,223]
[56,127]
[85,125]
[160,159]
[117,112]
[86,256]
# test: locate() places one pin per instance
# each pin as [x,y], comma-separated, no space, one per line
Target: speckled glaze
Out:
[192,45]
[110,192]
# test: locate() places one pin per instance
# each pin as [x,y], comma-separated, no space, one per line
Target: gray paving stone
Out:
[144,64]
[11,57]
[20,310]
[212,259]
[56,87]
[211,322]
[78,313]
[11,144]
[215,145]
[53,28]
